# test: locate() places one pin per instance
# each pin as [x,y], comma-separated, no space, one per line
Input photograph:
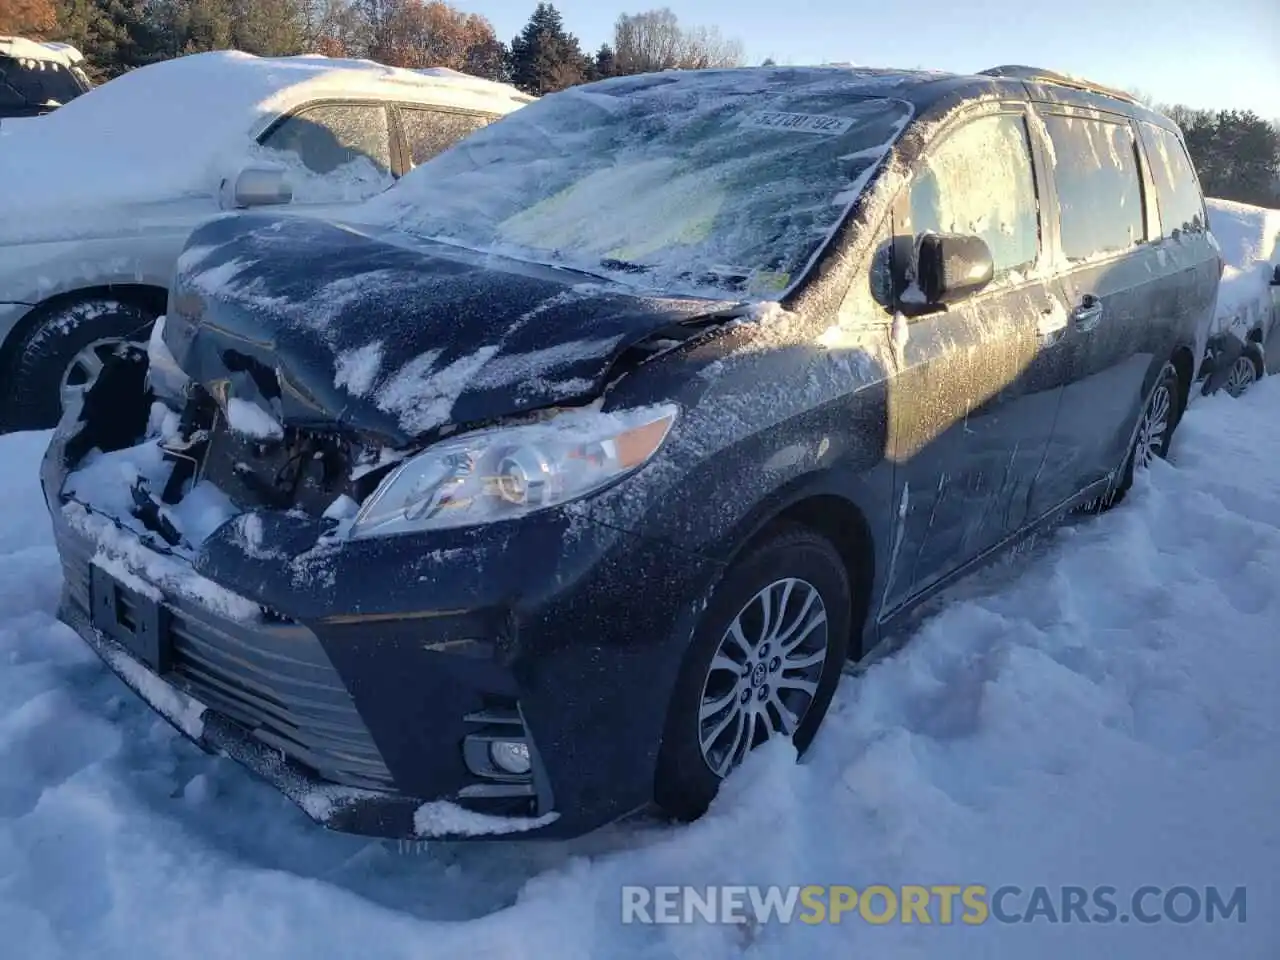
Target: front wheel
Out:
[764,662]
[1151,439]
[60,360]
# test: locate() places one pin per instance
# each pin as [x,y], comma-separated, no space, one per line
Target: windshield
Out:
[727,179]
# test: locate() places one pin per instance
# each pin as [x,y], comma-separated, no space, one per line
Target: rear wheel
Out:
[1151,440]
[764,663]
[1245,372]
[61,359]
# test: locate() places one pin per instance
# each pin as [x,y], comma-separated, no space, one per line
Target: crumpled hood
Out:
[322,323]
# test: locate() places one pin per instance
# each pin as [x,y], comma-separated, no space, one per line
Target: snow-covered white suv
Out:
[98,198]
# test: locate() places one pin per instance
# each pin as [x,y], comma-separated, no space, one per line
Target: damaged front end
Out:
[201,550]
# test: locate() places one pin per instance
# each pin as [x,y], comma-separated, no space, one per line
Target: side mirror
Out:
[257,186]
[951,266]
[1275,277]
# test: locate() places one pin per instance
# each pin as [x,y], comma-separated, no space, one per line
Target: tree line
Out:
[119,35]
[1236,153]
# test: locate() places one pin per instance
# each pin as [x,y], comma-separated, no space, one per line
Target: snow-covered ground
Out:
[1105,709]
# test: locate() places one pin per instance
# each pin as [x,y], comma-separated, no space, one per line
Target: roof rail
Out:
[1037,75]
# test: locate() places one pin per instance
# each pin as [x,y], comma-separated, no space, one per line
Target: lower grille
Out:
[272,678]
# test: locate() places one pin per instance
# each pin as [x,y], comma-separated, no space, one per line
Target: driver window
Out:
[979,182]
[330,136]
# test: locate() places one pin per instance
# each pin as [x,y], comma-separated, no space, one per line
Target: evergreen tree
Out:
[605,63]
[545,57]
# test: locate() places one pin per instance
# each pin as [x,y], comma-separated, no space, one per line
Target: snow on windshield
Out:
[732,179]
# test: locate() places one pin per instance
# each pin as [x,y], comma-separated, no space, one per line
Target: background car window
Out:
[331,135]
[36,82]
[979,182]
[1181,205]
[1095,167]
[429,132]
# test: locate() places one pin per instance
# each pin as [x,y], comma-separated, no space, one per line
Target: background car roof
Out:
[176,128]
[20,48]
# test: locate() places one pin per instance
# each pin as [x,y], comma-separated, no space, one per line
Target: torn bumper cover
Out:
[368,680]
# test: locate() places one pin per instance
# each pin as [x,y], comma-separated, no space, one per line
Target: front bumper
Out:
[362,678]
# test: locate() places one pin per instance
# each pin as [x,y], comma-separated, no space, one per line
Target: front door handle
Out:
[1088,315]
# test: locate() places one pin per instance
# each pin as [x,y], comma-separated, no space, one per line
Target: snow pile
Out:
[1250,240]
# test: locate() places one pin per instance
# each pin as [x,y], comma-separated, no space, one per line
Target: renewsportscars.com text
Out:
[968,904]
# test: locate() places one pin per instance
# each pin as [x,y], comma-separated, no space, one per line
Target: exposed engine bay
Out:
[179,474]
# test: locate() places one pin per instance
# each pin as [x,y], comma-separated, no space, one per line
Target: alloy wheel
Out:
[764,674]
[1241,376]
[83,371]
[1153,432]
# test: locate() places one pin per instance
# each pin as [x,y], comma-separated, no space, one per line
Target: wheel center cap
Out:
[758,674]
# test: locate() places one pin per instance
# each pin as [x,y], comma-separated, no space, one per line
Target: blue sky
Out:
[1205,54]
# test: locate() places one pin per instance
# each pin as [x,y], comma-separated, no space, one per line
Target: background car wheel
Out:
[764,662]
[61,358]
[1246,371]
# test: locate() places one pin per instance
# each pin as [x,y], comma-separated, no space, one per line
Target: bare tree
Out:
[434,34]
[655,40]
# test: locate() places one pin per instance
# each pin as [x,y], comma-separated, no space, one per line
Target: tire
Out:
[74,332]
[1141,452]
[686,782]
[1245,372]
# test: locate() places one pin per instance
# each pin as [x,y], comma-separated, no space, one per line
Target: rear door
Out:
[1113,279]
[973,402]
[1191,256]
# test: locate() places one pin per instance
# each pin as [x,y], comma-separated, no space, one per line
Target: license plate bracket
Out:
[137,622]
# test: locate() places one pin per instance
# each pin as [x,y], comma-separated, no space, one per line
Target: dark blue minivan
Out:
[583,460]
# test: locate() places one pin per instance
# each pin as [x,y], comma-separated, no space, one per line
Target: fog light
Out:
[510,756]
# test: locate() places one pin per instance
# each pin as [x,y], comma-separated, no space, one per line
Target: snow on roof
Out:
[476,83]
[177,127]
[21,48]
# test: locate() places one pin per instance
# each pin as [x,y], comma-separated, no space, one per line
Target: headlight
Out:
[163,373]
[508,472]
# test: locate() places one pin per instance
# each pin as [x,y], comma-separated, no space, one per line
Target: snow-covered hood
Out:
[320,324]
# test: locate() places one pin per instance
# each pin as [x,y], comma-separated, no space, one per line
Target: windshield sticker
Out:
[800,122]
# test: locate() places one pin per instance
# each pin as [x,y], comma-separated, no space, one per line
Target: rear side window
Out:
[979,182]
[1181,204]
[329,136]
[1095,168]
[429,132]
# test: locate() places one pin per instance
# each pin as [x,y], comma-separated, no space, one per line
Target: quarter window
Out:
[329,136]
[429,132]
[1095,168]
[1181,205]
[979,182]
